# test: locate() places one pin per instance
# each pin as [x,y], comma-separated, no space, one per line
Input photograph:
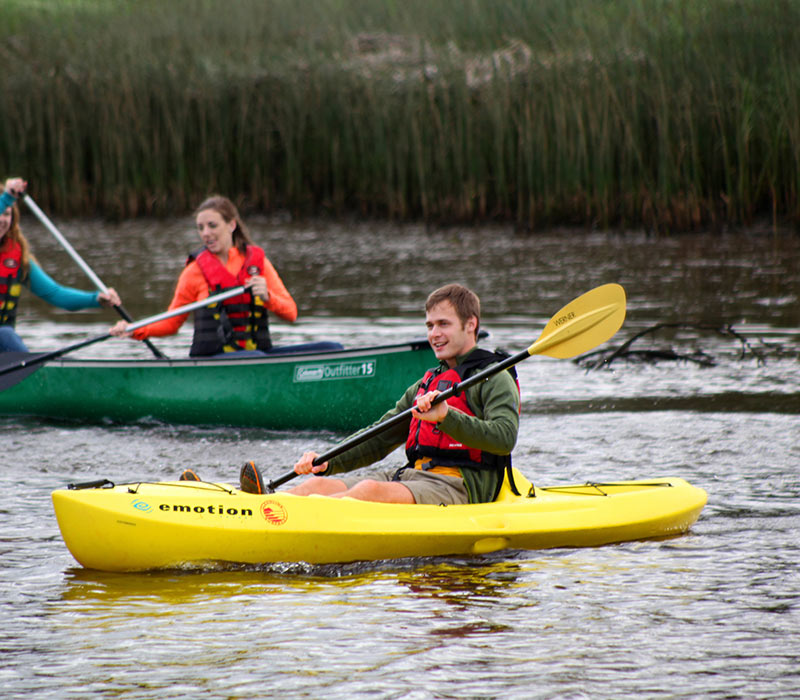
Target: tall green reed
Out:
[672,115]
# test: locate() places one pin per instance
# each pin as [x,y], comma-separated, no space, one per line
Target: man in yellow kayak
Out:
[458,450]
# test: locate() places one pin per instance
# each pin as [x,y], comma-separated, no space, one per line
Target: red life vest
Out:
[426,440]
[237,323]
[10,287]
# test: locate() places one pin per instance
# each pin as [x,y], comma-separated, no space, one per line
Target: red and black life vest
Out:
[10,287]
[425,440]
[237,323]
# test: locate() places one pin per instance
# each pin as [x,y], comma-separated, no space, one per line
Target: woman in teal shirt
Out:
[18,267]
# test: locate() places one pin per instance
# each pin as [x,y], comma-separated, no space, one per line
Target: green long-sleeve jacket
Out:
[493,429]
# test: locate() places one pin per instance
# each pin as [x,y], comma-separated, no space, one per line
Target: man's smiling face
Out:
[447,335]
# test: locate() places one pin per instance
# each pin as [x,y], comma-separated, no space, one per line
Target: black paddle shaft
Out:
[405,415]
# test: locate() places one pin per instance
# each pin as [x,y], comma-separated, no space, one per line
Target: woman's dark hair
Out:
[228,211]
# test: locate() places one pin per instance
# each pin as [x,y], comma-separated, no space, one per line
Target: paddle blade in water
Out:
[583,324]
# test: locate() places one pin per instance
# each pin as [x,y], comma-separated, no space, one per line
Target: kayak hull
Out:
[146,526]
[334,390]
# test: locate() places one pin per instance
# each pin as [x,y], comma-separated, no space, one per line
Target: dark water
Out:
[715,613]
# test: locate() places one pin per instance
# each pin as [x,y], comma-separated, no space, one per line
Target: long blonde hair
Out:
[228,211]
[15,234]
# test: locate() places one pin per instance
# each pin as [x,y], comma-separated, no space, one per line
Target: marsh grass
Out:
[663,113]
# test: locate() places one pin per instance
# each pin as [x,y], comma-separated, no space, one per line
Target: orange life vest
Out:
[237,323]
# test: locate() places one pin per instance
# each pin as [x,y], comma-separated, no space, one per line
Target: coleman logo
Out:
[274,512]
[252,270]
[10,263]
[363,369]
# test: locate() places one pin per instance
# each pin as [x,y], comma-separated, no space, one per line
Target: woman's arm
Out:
[45,287]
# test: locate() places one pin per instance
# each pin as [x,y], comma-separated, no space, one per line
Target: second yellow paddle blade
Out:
[583,324]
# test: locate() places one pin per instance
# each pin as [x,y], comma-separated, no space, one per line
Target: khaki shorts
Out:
[426,487]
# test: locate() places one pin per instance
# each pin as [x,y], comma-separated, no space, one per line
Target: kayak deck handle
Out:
[96,484]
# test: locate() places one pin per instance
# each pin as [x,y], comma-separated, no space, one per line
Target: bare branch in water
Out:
[603,358]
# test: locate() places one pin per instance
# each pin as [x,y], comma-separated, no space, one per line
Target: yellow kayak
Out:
[143,526]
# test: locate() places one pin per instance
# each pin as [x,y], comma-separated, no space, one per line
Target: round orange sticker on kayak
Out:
[274,512]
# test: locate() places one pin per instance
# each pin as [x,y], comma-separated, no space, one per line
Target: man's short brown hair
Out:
[464,301]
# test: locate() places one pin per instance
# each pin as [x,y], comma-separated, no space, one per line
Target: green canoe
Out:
[334,390]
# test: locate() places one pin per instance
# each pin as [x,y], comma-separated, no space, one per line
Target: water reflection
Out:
[183,587]
[453,581]
[463,583]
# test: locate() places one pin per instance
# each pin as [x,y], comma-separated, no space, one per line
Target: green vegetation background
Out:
[670,114]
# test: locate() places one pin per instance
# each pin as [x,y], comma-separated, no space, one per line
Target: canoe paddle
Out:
[581,325]
[23,364]
[82,264]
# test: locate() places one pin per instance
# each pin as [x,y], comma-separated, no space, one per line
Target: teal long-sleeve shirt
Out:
[45,287]
[493,428]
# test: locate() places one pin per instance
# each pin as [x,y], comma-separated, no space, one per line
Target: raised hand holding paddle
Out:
[107,294]
[584,323]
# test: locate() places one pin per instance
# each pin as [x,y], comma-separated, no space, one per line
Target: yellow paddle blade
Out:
[583,324]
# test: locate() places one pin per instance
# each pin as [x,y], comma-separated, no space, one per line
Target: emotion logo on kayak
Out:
[274,513]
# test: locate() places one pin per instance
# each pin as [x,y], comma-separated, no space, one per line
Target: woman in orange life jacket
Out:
[18,267]
[458,450]
[228,258]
